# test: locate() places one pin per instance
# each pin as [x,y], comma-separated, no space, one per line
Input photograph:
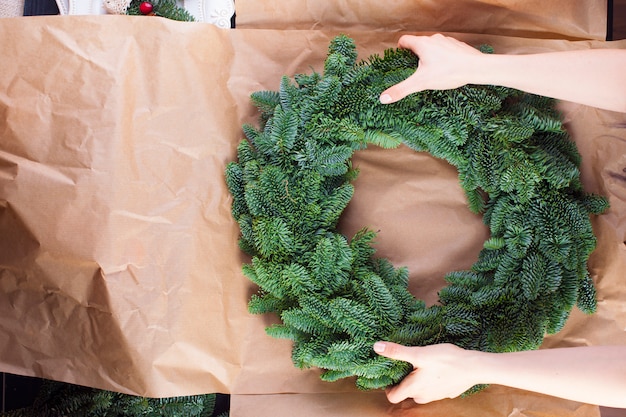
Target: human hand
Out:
[444,63]
[441,371]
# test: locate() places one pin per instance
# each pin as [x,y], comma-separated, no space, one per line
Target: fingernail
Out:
[385,99]
[379,347]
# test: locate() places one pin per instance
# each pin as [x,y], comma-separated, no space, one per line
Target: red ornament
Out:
[146,7]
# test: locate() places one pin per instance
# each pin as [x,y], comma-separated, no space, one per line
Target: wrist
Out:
[505,368]
[482,367]
[481,69]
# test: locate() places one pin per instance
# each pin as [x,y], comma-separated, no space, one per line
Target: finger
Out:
[403,391]
[411,42]
[400,90]
[405,41]
[408,388]
[416,43]
[395,395]
[396,351]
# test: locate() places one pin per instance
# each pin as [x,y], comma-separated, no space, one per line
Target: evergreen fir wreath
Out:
[292,182]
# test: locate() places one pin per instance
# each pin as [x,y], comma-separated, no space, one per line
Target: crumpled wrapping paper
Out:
[556,19]
[119,267]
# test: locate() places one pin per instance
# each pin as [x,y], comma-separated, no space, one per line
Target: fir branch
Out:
[57,399]
[163,8]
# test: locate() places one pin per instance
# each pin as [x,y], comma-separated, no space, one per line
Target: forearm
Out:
[595,77]
[594,375]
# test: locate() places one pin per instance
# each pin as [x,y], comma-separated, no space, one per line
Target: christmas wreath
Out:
[292,182]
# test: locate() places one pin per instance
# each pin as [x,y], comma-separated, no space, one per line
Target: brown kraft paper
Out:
[562,19]
[119,267]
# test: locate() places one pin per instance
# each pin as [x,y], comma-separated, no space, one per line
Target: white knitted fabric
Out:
[116,6]
[11,8]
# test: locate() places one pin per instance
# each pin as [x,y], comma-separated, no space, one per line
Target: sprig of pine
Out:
[57,399]
[163,8]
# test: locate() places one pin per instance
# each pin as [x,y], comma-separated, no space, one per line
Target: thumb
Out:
[396,351]
[400,90]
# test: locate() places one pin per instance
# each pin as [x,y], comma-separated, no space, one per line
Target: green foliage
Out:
[164,8]
[335,298]
[56,399]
